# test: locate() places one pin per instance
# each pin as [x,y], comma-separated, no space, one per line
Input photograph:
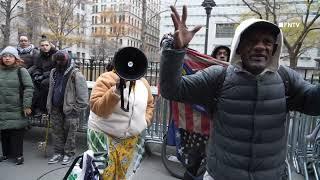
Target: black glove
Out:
[39,78]
[35,74]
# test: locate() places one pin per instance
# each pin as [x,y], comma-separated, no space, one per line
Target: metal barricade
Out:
[303,154]
[161,116]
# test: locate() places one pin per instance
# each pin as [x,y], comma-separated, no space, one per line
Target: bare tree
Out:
[58,16]
[103,49]
[278,11]
[8,10]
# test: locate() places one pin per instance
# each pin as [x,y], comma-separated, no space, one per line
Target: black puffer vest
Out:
[248,141]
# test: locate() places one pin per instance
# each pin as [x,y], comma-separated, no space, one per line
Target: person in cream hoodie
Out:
[113,130]
[248,141]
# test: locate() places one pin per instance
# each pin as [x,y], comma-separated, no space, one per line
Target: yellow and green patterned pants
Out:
[121,153]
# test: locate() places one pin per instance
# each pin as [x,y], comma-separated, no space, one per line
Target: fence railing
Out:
[93,68]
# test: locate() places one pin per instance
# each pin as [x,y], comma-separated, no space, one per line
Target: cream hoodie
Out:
[235,58]
[107,116]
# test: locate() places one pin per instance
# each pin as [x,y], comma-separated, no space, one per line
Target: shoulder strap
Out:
[21,87]
[285,79]
[220,79]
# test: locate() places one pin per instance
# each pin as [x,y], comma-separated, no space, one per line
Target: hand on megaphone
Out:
[117,88]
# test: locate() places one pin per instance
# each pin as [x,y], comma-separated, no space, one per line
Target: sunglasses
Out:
[7,55]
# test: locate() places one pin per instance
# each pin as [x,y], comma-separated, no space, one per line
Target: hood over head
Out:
[64,60]
[247,25]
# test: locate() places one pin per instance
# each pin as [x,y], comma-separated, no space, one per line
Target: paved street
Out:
[36,164]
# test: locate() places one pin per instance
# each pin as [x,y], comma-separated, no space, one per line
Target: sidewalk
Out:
[36,164]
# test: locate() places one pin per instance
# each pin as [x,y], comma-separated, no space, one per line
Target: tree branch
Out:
[253,10]
[287,44]
[307,14]
[14,6]
[68,32]
[305,31]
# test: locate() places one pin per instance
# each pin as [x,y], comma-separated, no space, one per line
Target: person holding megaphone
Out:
[121,107]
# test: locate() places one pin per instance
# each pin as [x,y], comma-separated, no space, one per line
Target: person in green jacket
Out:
[16,91]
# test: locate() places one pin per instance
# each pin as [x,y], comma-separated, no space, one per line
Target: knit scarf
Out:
[26,50]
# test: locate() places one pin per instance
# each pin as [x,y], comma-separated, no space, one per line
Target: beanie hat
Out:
[10,50]
[60,55]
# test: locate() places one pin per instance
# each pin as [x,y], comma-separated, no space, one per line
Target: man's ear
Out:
[275,47]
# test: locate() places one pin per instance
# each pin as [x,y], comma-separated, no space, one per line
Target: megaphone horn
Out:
[130,63]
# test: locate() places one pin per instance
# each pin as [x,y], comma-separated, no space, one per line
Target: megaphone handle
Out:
[122,86]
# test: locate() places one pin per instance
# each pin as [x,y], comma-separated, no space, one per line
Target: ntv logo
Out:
[289,25]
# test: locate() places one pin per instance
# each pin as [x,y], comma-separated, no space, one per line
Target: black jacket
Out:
[43,64]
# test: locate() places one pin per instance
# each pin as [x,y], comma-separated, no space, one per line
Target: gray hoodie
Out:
[248,141]
[76,98]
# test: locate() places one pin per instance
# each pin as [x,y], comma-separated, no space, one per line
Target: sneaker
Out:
[19,160]
[3,158]
[55,158]
[66,159]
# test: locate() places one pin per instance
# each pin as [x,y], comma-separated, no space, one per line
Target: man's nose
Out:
[259,46]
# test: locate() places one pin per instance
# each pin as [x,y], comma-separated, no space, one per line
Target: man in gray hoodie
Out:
[248,141]
[67,97]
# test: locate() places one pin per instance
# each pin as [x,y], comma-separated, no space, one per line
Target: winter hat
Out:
[60,55]
[10,50]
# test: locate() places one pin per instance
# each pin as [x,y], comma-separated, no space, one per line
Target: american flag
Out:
[191,117]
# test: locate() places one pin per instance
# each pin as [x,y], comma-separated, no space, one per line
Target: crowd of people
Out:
[246,114]
[48,83]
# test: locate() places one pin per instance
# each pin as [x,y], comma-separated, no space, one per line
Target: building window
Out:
[305,58]
[225,30]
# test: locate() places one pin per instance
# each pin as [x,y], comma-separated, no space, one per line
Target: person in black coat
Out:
[40,73]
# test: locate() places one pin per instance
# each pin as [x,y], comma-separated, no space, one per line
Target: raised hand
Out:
[182,36]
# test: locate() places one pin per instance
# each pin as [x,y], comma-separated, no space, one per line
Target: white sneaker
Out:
[66,159]
[55,158]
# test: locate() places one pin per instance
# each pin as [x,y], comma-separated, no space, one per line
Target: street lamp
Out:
[207,4]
